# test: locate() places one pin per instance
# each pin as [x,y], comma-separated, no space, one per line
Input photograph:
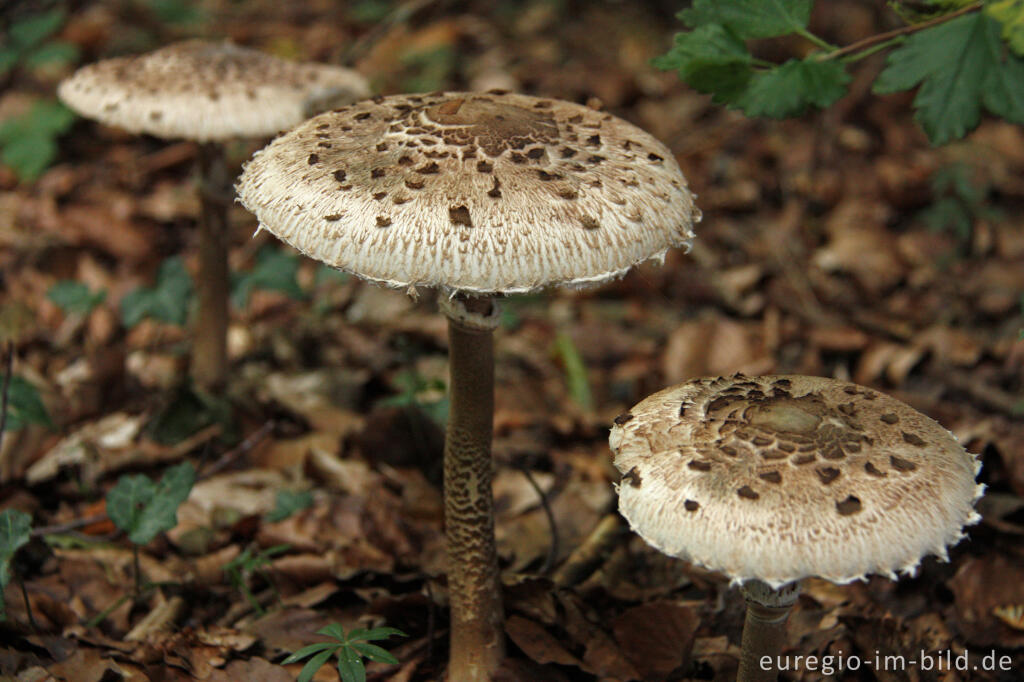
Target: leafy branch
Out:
[966,59]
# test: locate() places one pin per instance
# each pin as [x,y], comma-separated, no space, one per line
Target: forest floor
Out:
[830,246]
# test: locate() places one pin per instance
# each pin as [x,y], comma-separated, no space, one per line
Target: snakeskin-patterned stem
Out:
[764,630]
[477,639]
[209,348]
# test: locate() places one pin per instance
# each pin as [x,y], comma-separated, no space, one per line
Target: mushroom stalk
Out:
[209,349]
[764,630]
[477,641]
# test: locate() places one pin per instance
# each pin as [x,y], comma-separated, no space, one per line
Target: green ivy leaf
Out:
[75,297]
[288,502]
[750,18]
[961,67]
[15,531]
[275,270]
[788,89]
[29,141]
[24,406]
[53,52]
[167,301]
[143,509]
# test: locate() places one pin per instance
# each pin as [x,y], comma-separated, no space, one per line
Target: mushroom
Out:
[208,92]
[478,195]
[772,479]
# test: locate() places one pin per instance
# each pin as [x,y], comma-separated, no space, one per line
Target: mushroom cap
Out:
[207,91]
[484,193]
[779,478]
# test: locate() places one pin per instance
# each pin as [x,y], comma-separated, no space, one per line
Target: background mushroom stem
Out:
[209,349]
[764,630]
[477,640]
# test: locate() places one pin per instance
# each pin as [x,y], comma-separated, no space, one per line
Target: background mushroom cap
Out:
[779,478]
[207,91]
[473,192]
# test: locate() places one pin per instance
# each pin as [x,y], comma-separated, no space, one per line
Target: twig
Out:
[399,15]
[589,556]
[239,450]
[8,366]
[549,560]
[897,33]
[74,524]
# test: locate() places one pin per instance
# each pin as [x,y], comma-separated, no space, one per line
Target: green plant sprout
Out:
[15,531]
[275,270]
[75,297]
[30,43]
[167,301]
[28,142]
[21,404]
[960,199]
[957,59]
[412,386]
[288,502]
[250,563]
[575,371]
[144,509]
[350,648]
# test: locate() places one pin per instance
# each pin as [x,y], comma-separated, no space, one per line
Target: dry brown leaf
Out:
[656,637]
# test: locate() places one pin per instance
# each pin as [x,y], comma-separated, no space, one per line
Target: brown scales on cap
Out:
[512,167]
[810,476]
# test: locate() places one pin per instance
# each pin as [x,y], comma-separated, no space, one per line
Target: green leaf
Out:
[961,67]
[36,28]
[275,270]
[575,371]
[350,666]
[15,531]
[188,412]
[711,59]
[788,89]
[374,652]
[313,665]
[127,498]
[29,141]
[53,52]
[751,18]
[167,301]
[333,630]
[75,297]
[1009,13]
[144,510]
[288,502]
[307,651]
[24,406]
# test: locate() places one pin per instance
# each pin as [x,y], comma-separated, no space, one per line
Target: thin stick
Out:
[549,560]
[897,33]
[8,367]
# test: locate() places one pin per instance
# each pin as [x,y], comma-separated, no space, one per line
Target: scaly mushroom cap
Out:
[779,478]
[205,91]
[473,192]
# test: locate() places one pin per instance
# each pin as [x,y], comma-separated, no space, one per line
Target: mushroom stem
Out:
[764,630]
[209,349]
[477,640]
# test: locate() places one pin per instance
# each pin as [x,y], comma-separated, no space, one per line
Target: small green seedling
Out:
[15,530]
[275,270]
[350,648]
[75,297]
[23,405]
[144,509]
[288,502]
[30,42]
[167,301]
[250,563]
[28,141]
[959,200]
[575,371]
[413,386]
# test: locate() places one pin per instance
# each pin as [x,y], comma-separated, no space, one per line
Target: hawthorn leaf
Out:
[750,18]
[961,66]
[712,60]
[788,89]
